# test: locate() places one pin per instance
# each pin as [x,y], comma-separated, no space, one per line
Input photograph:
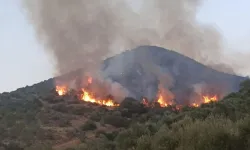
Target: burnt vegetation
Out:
[32,120]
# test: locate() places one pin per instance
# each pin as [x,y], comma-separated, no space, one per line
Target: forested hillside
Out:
[33,120]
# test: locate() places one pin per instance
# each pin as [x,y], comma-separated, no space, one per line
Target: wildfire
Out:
[162,101]
[61,90]
[208,99]
[88,97]
[205,99]
[195,105]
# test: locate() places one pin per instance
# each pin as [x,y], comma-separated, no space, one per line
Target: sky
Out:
[23,61]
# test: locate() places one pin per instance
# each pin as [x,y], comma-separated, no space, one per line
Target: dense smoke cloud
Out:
[81,33]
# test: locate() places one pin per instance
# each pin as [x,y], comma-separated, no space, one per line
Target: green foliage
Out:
[164,139]
[143,143]
[88,125]
[212,133]
[79,110]
[39,146]
[244,132]
[245,86]
[130,106]
[33,120]
[60,108]
[97,144]
[127,139]
[116,120]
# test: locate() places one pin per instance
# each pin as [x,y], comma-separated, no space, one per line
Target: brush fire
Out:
[205,100]
[88,96]
[61,90]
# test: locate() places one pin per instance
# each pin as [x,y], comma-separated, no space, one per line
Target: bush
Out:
[95,116]
[52,99]
[79,110]
[60,108]
[144,143]
[97,144]
[64,123]
[132,106]
[244,132]
[88,125]
[164,139]
[127,139]
[116,121]
[212,133]
[81,136]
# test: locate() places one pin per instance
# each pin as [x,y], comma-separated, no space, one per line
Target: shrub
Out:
[95,116]
[164,139]
[64,123]
[116,121]
[88,125]
[127,139]
[97,144]
[111,136]
[132,106]
[60,108]
[144,143]
[244,132]
[79,110]
[212,133]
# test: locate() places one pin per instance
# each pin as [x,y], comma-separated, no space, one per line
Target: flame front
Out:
[61,90]
[162,101]
[88,97]
[208,99]
[195,105]
[205,100]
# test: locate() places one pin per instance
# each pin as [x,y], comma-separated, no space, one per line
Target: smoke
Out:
[81,33]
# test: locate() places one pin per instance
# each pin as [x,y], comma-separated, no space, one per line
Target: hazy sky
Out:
[23,62]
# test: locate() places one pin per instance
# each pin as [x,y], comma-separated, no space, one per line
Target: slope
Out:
[140,70]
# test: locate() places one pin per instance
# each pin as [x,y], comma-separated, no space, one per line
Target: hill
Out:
[146,70]
[37,118]
[141,70]
[31,120]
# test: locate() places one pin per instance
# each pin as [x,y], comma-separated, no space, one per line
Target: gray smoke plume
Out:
[81,33]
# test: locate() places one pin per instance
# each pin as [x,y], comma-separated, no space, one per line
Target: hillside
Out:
[37,118]
[33,121]
[140,70]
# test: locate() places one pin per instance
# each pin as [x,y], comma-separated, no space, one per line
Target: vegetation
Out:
[34,120]
[89,125]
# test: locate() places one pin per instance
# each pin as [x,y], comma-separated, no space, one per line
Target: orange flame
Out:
[61,90]
[195,105]
[205,99]
[208,99]
[162,102]
[88,97]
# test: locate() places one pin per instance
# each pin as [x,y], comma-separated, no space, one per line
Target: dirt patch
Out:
[69,144]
